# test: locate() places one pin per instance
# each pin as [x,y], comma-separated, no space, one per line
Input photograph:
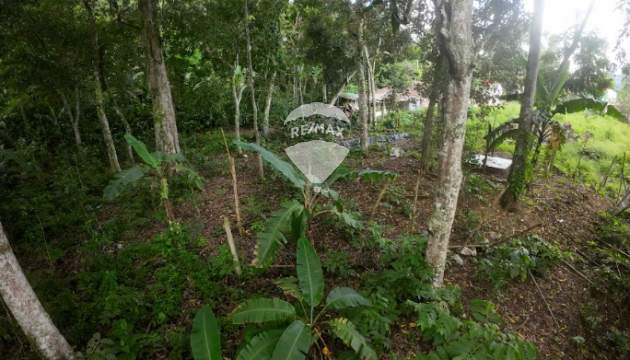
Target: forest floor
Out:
[557,210]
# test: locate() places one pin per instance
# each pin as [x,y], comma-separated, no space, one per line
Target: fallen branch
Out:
[239,224]
[230,238]
[576,271]
[519,234]
[544,299]
[378,201]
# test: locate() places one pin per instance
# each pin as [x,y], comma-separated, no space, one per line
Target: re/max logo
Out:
[312,128]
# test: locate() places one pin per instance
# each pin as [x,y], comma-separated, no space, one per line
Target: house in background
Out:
[610,96]
[410,99]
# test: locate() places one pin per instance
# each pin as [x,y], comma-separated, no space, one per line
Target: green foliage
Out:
[157,165]
[298,337]
[338,262]
[272,238]
[457,339]
[515,258]
[205,339]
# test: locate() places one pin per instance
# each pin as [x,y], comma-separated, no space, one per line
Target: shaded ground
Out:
[558,210]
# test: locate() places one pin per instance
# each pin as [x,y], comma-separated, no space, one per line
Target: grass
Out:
[609,139]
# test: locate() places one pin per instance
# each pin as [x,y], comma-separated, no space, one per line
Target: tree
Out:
[23,303]
[521,168]
[166,135]
[363,105]
[521,172]
[252,89]
[456,36]
[98,90]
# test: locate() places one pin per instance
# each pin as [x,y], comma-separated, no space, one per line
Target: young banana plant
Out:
[297,328]
[157,166]
[295,217]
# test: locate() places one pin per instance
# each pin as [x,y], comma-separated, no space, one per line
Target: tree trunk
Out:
[166,135]
[118,111]
[342,88]
[98,93]
[362,82]
[295,86]
[427,134]
[237,93]
[107,133]
[19,297]
[73,117]
[268,105]
[370,93]
[252,90]
[324,93]
[456,40]
[24,118]
[123,119]
[428,120]
[373,87]
[521,165]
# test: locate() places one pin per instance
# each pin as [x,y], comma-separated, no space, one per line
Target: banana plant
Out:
[296,217]
[157,165]
[292,330]
[548,104]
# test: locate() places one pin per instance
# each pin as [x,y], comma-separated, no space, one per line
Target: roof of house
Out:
[410,92]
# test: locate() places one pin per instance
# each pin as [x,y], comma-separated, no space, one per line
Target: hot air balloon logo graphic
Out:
[317,159]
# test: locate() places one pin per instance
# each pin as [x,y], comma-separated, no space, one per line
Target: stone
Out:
[396,152]
[458,260]
[468,252]
[494,236]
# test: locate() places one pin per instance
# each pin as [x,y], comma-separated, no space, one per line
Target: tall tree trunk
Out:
[117,110]
[22,301]
[521,165]
[342,88]
[237,93]
[427,135]
[123,119]
[166,135]
[362,82]
[107,133]
[73,117]
[324,93]
[370,93]
[456,39]
[268,105]
[24,118]
[295,86]
[373,87]
[252,90]
[98,92]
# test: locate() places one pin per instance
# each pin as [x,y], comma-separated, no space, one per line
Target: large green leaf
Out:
[272,238]
[190,174]
[310,273]
[342,297]
[6,155]
[141,150]
[510,134]
[262,310]
[376,175]
[289,287]
[205,339]
[350,335]
[294,342]
[122,179]
[558,85]
[578,105]
[284,167]
[261,346]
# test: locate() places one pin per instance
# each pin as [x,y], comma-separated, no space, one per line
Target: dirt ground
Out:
[556,210]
